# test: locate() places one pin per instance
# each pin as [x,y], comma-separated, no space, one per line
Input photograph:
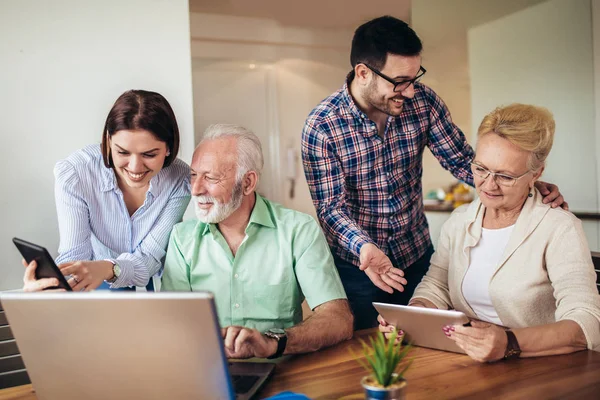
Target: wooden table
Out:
[334,374]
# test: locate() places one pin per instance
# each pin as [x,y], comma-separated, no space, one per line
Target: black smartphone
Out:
[46,268]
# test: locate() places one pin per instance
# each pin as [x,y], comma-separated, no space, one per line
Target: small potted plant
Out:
[383,363]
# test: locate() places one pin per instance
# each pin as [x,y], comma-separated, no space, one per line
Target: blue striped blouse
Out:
[94,223]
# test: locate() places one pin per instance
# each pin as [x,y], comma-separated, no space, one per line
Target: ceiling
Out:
[335,14]
[436,17]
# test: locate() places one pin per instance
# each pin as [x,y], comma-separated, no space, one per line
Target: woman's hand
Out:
[482,341]
[30,284]
[87,275]
[387,329]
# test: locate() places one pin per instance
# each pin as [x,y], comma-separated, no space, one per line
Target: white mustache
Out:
[205,199]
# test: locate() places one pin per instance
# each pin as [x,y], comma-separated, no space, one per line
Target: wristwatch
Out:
[116,271]
[281,337]
[512,347]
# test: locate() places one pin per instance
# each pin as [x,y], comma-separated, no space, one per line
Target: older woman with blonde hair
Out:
[521,270]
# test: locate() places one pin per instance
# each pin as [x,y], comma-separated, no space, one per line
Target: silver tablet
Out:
[423,326]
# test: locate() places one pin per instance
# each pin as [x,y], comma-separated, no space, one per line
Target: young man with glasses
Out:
[362,150]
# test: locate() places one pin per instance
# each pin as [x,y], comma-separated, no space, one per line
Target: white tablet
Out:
[423,326]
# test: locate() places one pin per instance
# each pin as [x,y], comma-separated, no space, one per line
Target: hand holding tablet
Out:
[46,268]
[423,326]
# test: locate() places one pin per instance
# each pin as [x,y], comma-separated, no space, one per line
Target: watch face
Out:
[512,353]
[117,270]
[277,331]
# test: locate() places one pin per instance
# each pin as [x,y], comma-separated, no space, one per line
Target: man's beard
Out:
[372,97]
[219,211]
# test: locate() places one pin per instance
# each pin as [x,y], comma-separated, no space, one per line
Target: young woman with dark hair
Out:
[117,202]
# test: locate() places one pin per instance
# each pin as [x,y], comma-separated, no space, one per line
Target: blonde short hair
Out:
[528,127]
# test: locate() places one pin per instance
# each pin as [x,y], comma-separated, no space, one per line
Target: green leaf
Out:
[402,354]
[382,358]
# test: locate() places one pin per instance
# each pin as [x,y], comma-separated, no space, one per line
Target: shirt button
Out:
[237,305]
[390,197]
[236,275]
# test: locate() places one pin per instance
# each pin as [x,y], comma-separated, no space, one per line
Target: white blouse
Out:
[485,257]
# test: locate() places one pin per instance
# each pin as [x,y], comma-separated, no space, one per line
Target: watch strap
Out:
[512,346]
[281,344]
[113,280]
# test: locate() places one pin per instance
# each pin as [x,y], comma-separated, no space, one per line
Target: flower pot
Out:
[374,391]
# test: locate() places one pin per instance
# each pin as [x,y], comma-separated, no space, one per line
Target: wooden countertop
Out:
[334,374]
[583,215]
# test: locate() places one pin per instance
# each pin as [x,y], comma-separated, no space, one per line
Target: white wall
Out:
[63,64]
[306,64]
[442,26]
[543,56]
[240,93]
[596,51]
[302,84]
[446,60]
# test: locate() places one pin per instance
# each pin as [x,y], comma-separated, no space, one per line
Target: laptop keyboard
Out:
[243,383]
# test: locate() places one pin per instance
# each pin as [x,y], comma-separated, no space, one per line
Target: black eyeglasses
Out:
[399,86]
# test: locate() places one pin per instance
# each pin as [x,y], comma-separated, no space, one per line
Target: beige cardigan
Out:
[545,275]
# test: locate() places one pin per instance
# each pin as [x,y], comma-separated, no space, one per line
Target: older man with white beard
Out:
[259,259]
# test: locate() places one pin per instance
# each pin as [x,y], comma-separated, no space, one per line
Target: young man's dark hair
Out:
[373,40]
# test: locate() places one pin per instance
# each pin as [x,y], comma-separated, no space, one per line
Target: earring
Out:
[530,194]
[168,153]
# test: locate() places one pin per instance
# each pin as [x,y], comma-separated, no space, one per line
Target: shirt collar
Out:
[530,216]
[353,109]
[154,187]
[349,101]
[108,179]
[260,216]
[205,229]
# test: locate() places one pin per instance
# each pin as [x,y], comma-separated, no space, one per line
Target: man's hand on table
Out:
[243,342]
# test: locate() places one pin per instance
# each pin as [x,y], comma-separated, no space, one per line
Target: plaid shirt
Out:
[367,189]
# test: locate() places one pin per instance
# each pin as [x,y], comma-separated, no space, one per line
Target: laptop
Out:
[423,326]
[127,345]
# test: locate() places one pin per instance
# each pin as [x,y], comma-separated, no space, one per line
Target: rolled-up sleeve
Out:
[571,272]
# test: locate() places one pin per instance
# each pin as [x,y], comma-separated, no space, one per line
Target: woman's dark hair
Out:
[373,41]
[142,110]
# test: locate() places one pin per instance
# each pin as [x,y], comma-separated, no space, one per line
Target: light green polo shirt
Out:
[283,259]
